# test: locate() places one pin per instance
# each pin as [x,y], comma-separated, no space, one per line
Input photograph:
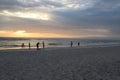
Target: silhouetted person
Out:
[29,45]
[78,43]
[43,44]
[37,45]
[23,45]
[71,43]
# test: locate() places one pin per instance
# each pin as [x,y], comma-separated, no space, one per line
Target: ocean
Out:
[15,43]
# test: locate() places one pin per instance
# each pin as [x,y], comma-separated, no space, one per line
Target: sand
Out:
[101,63]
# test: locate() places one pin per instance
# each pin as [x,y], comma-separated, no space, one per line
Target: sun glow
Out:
[43,34]
[21,33]
[30,15]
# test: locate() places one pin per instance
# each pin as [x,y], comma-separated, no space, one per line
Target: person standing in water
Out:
[71,43]
[37,45]
[43,44]
[78,43]
[29,45]
[23,45]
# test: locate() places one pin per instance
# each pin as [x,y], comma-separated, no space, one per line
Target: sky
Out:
[60,18]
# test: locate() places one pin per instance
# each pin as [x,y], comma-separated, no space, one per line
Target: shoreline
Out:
[62,47]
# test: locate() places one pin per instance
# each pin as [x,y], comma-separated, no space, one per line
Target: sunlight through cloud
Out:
[30,15]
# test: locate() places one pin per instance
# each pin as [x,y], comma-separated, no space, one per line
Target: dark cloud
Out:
[107,4]
[104,14]
[51,3]
[21,5]
[9,3]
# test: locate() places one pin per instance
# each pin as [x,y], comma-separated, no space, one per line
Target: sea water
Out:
[15,43]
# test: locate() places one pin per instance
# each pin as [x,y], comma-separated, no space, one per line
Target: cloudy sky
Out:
[60,18]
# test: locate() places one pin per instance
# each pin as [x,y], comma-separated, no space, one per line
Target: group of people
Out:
[72,43]
[37,45]
[43,45]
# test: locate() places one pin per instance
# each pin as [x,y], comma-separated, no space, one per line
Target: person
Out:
[23,45]
[43,44]
[29,45]
[78,43]
[71,44]
[37,45]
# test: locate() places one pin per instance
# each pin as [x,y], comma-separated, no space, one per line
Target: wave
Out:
[54,44]
[10,45]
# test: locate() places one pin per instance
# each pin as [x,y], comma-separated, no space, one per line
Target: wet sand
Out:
[101,63]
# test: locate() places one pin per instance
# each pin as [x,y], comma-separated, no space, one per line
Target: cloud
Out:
[82,17]
[25,4]
[102,17]
[107,4]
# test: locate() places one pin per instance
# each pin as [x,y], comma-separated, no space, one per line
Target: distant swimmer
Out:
[43,44]
[37,45]
[71,43]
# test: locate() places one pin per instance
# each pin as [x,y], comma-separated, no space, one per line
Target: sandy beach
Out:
[102,63]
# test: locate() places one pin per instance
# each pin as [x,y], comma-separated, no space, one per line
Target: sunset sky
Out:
[60,18]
